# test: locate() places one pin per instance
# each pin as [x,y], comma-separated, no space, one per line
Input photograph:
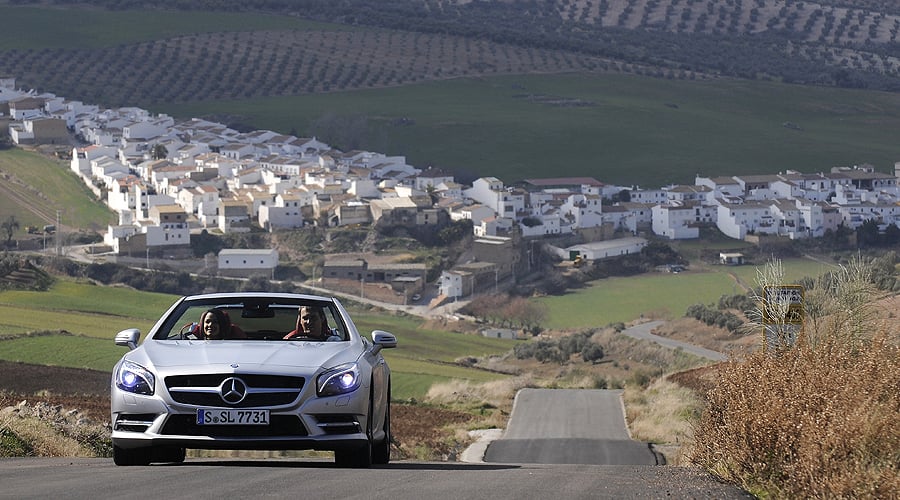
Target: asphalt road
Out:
[642,331]
[570,426]
[98,478]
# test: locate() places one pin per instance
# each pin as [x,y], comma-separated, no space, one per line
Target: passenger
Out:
[216,325]
[311,323]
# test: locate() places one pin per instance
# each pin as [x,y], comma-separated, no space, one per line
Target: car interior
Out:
[259,320]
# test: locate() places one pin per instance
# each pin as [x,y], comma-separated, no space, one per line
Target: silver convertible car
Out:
[258,380]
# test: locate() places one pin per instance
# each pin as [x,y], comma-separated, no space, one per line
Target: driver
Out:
[215,324]
[311,323]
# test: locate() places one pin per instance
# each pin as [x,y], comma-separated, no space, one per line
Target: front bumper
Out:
[330,424]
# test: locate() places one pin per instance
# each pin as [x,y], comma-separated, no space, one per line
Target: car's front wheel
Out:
[169,454]
[381,451]
[131,456]
[359,457]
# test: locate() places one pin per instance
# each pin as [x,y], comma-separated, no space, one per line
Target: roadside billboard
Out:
[783,315]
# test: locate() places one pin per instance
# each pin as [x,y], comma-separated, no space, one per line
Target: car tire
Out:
[131,456]
[381,452]
[173,455]
[359,457]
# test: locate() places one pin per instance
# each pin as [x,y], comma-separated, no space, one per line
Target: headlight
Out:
[132,377]
[338,380]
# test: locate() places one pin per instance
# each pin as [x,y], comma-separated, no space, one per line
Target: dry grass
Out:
[663,414]
[491,402]
[818,419]
[808,422]
[41,437]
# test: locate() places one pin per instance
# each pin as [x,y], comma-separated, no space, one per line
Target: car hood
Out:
[309,356]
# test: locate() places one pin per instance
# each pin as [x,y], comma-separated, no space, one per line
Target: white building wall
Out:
[585,211]
[450,284]
[674,222]
[649,196]
[729,225]
[274,217]
[239,259]
[551,225]
[364,188]
[486,191]
[116,233]
[168,235]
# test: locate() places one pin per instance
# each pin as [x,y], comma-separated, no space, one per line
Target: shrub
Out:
[807,422]
[592,352]
[817,419]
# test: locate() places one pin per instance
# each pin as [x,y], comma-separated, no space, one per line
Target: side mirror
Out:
[383,340]
[128,338]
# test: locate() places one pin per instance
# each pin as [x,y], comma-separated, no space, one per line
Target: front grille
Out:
[263,390]
[281,425]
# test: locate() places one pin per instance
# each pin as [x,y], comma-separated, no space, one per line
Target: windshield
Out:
[252,318]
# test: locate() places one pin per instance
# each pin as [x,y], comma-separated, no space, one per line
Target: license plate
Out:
[232,417]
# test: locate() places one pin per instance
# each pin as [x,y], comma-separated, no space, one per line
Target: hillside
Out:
[478,95]
[827,42]
[40,190]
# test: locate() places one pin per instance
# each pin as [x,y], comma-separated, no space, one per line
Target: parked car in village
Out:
[255,391]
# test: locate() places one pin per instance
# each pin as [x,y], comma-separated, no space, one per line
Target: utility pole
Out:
[58,228]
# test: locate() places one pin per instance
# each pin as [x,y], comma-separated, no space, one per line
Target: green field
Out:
[46,186]
[668,295]
[81,309]
[632,135]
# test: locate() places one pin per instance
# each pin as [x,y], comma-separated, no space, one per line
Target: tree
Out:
[432,193]
[456,231]
[867,234]
[592,352]
[159,152]
[10,226]
[891,235]
[622,196]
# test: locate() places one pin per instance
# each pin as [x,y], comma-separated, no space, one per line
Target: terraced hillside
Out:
[249,65]
[361,44]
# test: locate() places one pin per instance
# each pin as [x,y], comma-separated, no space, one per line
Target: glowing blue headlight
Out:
[339,380]
[132,377]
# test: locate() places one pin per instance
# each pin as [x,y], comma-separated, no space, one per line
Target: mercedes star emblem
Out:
[233,390]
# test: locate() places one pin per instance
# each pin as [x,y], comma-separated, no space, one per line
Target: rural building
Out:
[40,130]
[409,275]
[248,262]
[601,249]
[731,259]
[456,283]
[500,333]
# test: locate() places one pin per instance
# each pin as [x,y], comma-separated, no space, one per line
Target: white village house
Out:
[247,262]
